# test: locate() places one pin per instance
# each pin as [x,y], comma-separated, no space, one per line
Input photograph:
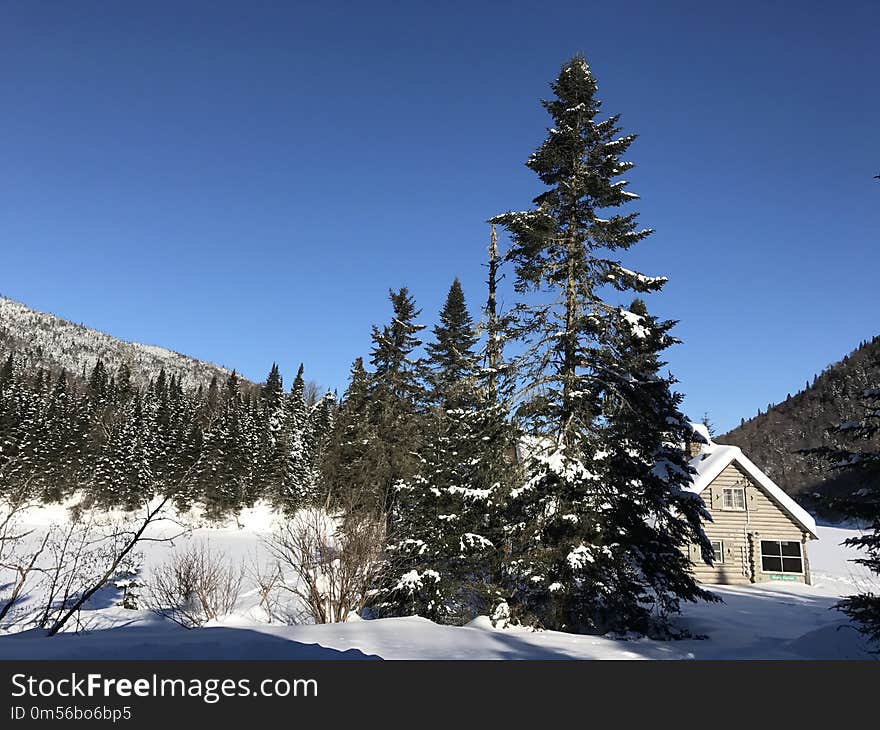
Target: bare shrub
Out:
[194,586]
[20,561]
[93,551]
[61,568]
[269,581]
[329,565]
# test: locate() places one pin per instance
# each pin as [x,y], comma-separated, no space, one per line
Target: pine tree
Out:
[563,250]
[707,422]
[861,457]
[222,475]
[397,398]
[124,387]
[98,381]
[434,525]
[64,436]
[347,468]
[275,472]
[123,475]
[272,391]
[451,359]
[642,570]
[212,402]
[316,439]
[444,529]
[296,486]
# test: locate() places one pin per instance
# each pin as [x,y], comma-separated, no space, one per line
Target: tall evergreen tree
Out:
[222,474]
[295,487]
[445,524]
[642,572]
[860,456]
[347,468]
[124,387]
[316,439]
[565,250]
[275,472]
[397,397]
[431,518]
[124,474]
[212,403]
[451,362]
[98,381]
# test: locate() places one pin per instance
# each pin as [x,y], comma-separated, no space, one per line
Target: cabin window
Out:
[734,498]
[718,552]
[781,556]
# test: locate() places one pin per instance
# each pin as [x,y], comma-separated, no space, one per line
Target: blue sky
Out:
[243,182]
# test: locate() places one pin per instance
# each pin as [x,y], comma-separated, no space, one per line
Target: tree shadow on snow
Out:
[144,642]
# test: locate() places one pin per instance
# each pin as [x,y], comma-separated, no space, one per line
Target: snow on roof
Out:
[703,431]
[714,458]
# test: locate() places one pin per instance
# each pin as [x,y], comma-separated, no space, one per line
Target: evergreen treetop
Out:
[451,357]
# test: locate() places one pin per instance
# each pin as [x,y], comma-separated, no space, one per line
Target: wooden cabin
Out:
[758,533]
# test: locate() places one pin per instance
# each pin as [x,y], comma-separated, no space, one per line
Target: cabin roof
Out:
[715,458]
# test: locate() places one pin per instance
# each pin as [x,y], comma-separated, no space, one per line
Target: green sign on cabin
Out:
[777,576]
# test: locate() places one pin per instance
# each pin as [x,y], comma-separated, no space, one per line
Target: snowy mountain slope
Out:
[774,438]
[45,340]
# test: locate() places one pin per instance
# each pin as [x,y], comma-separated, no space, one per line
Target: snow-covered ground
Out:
[778,621]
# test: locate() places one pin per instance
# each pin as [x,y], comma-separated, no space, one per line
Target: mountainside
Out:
[46,341]
[772,439]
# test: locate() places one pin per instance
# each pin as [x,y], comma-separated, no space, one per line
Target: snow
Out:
[703,432]
[635,322]
[641,278]
[770,621]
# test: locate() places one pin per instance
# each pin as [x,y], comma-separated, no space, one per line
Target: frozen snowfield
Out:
[786,621]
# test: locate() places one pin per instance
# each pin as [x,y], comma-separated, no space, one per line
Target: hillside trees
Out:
[220,446]
[859,456]
[780,439]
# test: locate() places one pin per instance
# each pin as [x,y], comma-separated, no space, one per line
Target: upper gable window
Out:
[734,498]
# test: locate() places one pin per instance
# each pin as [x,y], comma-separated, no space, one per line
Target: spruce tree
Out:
[316,438]
[642,571]
[275,472]
[564,251]
[221,475]
[212,402]
[451,361]
[295,487]
[434,525]
[347,467]
[445,536]
[397,398]
[857,453]
[98,381]
[124,387]
[123,475]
